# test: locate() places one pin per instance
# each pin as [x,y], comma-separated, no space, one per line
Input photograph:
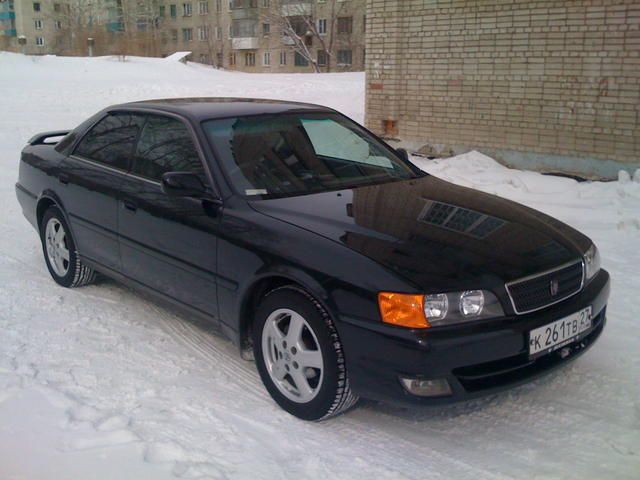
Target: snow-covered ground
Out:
[101,383]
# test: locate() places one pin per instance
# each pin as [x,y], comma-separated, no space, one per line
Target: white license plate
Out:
[557,334]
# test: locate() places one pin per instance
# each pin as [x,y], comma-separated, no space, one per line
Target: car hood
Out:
[433,233]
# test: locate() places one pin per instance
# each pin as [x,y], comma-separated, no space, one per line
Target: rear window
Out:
[111,140]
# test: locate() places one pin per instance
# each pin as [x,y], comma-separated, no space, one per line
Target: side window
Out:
[165,146]
[111,140]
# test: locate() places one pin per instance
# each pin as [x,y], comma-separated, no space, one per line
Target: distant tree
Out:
[141,20]
[298,23]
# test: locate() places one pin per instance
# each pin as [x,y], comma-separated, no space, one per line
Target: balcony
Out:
[295,8]
[241,9]
[244,13]
[244,43]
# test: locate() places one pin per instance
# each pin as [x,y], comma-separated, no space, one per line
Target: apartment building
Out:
[61,27]
[7,22]
[28,21]
[250,35]
[246,35]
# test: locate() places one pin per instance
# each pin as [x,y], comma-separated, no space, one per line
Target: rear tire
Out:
[299,355]
[60,253]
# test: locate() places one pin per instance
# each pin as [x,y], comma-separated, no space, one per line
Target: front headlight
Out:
[591,262]
[424,311]
[464,307]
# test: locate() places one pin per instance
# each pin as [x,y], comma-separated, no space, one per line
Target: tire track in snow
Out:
[218,352]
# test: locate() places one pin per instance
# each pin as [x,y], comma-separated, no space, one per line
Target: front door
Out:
[168,244]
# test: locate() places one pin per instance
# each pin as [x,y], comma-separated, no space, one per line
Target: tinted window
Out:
[165,146]
[111,140]
[292,154]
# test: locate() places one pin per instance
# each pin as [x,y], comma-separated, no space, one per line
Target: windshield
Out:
[295,154]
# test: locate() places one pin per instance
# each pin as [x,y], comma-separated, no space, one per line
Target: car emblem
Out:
[553,287]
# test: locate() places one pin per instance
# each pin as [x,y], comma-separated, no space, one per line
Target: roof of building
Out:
[207,108]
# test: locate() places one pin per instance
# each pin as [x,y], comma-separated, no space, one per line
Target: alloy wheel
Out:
[57,247]
[292,355]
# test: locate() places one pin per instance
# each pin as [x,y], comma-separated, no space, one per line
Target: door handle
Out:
[63,178]
[129,205]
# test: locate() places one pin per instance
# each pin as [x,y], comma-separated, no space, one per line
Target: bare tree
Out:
[215,46]
[75,20]
[141,20]
[296,20]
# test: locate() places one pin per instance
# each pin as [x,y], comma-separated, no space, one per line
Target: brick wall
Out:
[553,77]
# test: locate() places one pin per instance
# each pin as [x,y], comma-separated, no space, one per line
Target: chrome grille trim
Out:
[542,274]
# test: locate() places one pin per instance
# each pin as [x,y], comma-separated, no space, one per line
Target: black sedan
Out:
[321,251]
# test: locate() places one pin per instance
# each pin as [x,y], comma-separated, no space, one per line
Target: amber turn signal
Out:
[403,309]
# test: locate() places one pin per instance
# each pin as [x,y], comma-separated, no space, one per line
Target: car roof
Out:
[208,108]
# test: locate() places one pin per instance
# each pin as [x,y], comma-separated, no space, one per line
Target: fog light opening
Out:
[438,387]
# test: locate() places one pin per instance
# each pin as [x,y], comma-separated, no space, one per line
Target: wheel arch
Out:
[48,199]
[266,283]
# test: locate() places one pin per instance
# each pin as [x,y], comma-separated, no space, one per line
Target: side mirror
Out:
[183,184]
[403,154]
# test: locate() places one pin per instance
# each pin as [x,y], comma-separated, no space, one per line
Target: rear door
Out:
[91,177]
[168,244]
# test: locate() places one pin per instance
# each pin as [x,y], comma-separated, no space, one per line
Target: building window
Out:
[218,5]
[322,58]
[322,26]
[344,57]
[161,11]
[249,59]
[300,61]
[36,7]
[174,34]
[38,24]
[56,7]
[203,8]
[266,3]
[345,24]
[187,34]
[204,58]
[173,11]
[218,59]
[218,33]
[40,41]
[232,59]
[203,33]
[266,59]
[186,9]
[266,29]
[283,58]
[57,24]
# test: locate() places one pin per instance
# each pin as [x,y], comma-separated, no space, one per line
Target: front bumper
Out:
[476,359]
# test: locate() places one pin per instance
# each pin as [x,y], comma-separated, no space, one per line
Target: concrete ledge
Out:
[590,168]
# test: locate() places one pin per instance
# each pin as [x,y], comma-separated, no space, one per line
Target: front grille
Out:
[536,292]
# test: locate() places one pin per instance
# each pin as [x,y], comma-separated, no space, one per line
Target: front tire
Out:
[299,355]
[60,253]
